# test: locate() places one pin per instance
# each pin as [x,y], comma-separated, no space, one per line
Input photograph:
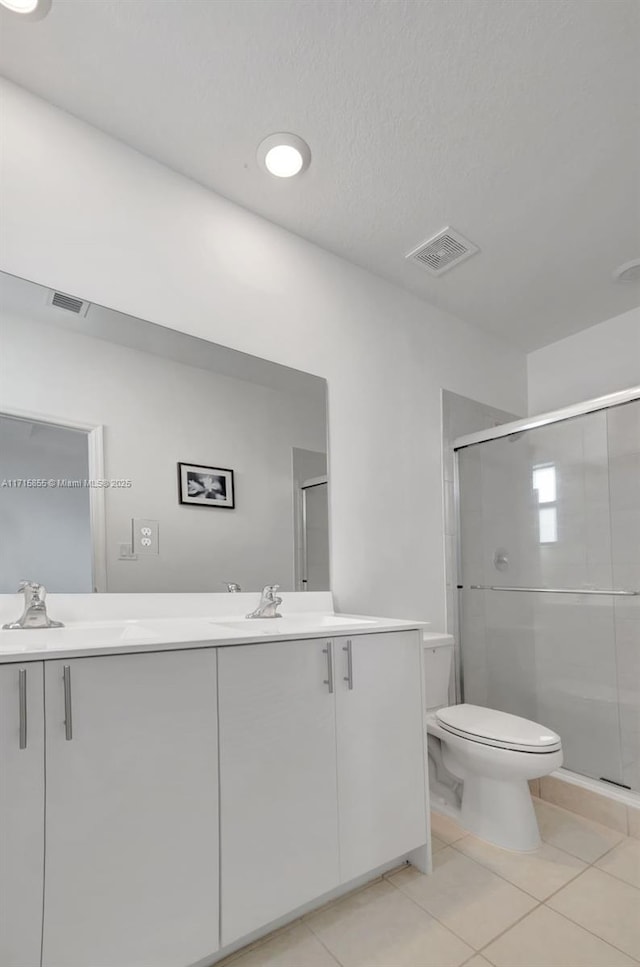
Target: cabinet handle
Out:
[68,721]
[22,694]
[328,651]
[349,676]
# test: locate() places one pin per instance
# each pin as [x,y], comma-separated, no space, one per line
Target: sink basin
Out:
[80,634]
[294,624]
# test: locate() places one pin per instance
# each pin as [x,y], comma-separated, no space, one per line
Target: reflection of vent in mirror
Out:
[544,483]
[68,302]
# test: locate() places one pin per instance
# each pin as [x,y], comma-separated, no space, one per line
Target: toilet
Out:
[481,760]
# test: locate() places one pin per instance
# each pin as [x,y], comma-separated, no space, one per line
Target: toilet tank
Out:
[438,658]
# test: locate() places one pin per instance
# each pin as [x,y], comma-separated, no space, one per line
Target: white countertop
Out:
[123,635]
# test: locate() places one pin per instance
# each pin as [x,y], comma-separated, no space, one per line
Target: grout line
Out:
[544,903]
[561,888]
[480,950]
[606,853]
[321,941]
[578,818]
[587,930]
[521,888]
[432,916]
[515,923]
[575,923]
[451,930]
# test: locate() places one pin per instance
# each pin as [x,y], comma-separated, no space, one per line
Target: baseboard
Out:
[609,810]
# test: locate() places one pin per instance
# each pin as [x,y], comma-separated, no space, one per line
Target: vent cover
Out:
[440,253]
[68,302]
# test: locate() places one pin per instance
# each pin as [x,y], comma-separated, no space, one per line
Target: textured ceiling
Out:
[515,121]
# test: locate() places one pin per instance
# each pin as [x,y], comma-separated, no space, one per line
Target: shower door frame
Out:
[572,411]
[553,416]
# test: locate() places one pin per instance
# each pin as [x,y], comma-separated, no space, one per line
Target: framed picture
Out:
[205,486]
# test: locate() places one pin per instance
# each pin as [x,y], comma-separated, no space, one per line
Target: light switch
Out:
[126,553]
[145,535]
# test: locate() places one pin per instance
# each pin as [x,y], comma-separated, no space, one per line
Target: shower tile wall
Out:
[576,680]
[497,628]
[460,415]
[571,661]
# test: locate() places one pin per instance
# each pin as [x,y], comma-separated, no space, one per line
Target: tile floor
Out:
[573,903]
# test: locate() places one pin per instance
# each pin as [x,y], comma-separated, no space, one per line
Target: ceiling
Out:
[517,122]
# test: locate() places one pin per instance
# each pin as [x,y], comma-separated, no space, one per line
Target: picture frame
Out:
[202,486]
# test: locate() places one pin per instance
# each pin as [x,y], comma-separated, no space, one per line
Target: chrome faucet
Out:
[232,587]
[269,601]
[35,611]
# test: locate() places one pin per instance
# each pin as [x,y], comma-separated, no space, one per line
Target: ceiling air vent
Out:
[68,302]
[440,253]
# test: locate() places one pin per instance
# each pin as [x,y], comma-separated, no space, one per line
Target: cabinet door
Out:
[381,750]
[278,798]
[132,811]
[21,813]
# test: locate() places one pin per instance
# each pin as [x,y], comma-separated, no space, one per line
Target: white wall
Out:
[596,361]
[156,412]
[87,214]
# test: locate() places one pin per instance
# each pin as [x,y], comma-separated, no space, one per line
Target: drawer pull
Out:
[22,699]
[349,676]
[68,720]
[328,651]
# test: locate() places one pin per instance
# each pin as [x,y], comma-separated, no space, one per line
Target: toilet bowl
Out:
[495,754]
[481,760]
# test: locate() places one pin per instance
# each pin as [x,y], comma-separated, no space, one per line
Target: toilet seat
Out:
[501,730]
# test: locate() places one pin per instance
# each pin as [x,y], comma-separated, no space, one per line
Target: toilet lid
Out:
[490,727]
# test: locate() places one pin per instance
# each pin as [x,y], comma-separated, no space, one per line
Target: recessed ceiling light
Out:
[28,9]
[628,271]
[284,155]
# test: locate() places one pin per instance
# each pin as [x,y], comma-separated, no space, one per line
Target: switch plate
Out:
[145,535]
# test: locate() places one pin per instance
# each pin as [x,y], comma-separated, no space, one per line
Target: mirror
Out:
[137,458]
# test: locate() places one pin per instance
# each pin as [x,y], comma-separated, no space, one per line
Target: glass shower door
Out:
[623,426]
[538,636]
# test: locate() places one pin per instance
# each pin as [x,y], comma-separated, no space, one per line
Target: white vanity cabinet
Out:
[131,810]
[322,768]
[278,782]
[21,813]
[161,806]
[380,749]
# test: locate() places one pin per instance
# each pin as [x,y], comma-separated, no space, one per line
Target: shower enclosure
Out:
[549,579]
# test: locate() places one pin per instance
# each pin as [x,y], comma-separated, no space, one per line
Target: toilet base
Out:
[496,803]
[501,812]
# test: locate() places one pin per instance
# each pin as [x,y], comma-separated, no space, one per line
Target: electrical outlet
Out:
[126,553]
[145,535]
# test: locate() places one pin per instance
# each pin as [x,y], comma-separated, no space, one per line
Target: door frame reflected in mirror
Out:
[95,459]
